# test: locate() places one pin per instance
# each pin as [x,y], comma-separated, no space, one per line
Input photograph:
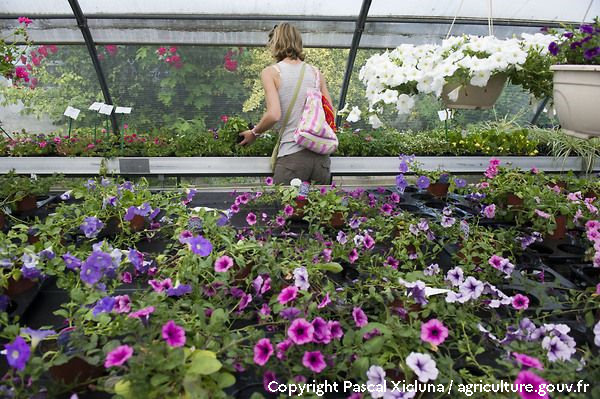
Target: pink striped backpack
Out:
[313,131]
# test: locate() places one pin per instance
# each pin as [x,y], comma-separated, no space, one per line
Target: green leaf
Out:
[204,365]
[333,267]
[224,380]
[374,345]
[158,379]
[123,388]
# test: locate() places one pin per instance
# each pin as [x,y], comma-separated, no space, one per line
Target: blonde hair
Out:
[285,41]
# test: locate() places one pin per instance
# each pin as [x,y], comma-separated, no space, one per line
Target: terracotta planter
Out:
[514,201]
[137,223]
[475,97]
[28,203]
[299,208]
[576,94]
[590,194]
[2,220]
[438,190]
[560,232]
[75,370]
[337,220]
[19,286]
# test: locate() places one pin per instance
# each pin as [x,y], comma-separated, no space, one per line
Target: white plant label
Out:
[445,114]
[71,112]
[123,110]
[106,109]
[95,106]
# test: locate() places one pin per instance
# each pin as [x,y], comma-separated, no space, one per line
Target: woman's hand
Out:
[248,137]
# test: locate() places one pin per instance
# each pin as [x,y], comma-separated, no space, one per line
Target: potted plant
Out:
[21,192]
[577,79]
[466,71]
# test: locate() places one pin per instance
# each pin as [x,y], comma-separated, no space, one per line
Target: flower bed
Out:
[161,296]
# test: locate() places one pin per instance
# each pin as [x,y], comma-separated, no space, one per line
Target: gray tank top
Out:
[290,73]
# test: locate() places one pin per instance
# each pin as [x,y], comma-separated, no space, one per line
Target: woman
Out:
[279,82]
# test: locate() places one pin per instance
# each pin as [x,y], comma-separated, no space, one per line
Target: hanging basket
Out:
[576,96]
[475,97]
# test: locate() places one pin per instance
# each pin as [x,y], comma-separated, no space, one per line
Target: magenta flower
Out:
[360,318]
[301,332]
[223,264]
[122,304]
[434,332]
[17,353]
[282,347]
[173,334]
[490,211]
[118,356]
[280,220]
[269,181]
[142,313]
[322,334]
[542,214]
[387,208]
[528,361]
[251,218]
[288,210]
[314,361]
[262,351]
[368,241]
[326,301]
[353,256]
[526,377]
[335,328]
[268,378]
[287,294]
[126,278]
[520,302]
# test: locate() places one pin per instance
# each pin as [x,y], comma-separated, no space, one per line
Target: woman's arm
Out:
[273,112]
[325,91]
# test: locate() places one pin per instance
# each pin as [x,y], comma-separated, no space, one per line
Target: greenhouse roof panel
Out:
[525,10]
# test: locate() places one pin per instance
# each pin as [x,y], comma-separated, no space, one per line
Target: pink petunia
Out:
[173,334]
[542,214]
[520,302]
[314,361]
[262,351]
[434,332]
[223,263]
[287,294]
[528,361]
[118,356]
[532,380]
[301,332]
[360,318]
[251,219]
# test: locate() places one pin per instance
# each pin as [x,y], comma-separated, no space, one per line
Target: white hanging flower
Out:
[354,115]
[375,122]
[453,95]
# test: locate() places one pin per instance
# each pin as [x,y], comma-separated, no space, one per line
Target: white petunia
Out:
[375,122]
[354,115]
[423,366]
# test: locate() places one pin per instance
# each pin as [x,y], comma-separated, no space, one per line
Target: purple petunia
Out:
[91,226]
[455,276]
[471,288]
[71,262]
[262,351]
[122,304]
[324,302]
[301,278]
[301,332]
[490,211]
[95,266]
[37,335]
[359,316]
[423,366]
[401,183]
[314,361]
[173,334]
[353,255]
[104,305]
[17,353]
[289,313]
[423,182]
[180,290]
[200,246]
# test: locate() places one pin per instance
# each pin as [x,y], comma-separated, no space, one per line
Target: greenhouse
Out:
[267,199]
